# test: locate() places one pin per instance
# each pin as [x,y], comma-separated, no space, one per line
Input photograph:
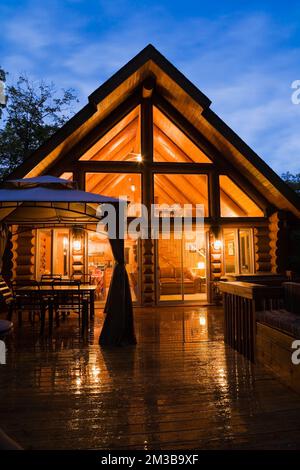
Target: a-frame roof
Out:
[180,95]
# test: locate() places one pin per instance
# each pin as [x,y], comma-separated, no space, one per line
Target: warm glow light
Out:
[77,245]
[217,244]
[65,242]
[201,265]
[78,382]
[139,158]
[202,321]
[132,187]
[95,373]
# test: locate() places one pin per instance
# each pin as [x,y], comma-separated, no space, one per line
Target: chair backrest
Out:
[66,282]
[24,283]
[6,294]
[65,298]
[51,277]
[83,278]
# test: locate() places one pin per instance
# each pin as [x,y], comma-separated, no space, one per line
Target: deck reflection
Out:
[180,387]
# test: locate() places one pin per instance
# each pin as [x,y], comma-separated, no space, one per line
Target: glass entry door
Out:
[181,269]
[100,264]
[238,251]
[53,253]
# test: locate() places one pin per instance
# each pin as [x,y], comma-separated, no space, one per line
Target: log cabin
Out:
[150,134]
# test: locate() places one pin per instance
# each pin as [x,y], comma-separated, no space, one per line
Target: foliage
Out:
[292,180]
[34,111]
[2,91]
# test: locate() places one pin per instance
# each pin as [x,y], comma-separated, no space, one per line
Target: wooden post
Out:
[214,195]
[79,177]
[148,274]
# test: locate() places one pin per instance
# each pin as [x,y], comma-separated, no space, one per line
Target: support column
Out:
[148,265]
[279,245]
[215,264]
[214,195]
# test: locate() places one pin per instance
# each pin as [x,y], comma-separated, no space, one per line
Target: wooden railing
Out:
[241,300]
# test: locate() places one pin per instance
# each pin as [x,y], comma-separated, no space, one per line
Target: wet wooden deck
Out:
[180,387]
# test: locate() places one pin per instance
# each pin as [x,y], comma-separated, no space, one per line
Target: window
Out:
[181,189]
[238,251]
[121,143]
[100,263]
[235,202]
[181,267]
[117,185]
[67,175]
[53,254]
[171,145]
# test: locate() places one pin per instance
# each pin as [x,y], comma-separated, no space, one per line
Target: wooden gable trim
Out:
[149,53]
[96,133]
[251,156]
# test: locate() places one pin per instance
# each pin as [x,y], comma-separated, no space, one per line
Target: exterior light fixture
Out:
[76,245]
[217,244]
[65,243]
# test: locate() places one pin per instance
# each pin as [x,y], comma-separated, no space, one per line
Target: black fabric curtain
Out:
[118,327]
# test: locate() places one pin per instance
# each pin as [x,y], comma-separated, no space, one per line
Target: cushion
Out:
[167,272]
[5,326]
[281,320]
[168,280]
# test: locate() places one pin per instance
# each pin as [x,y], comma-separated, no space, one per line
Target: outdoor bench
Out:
[262,322]
[276,330]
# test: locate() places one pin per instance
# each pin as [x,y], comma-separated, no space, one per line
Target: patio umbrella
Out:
[49,200]
[46,200]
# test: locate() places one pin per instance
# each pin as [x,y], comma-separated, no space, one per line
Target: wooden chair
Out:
[83,278]
[6,297]
[30,301]
[51,277]
[68,301]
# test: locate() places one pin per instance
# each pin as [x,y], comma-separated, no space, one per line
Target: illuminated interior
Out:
[235,202]
[121,143]
[182,268]
[53,255]
[117,185]
[181,189]
[238,251]
[100,263]
[171,144]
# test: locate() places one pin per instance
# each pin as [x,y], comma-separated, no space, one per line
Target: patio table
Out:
[49,289]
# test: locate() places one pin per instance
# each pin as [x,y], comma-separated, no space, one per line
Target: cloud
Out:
[244,63]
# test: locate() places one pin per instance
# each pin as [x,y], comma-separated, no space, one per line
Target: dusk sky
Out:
[243,55]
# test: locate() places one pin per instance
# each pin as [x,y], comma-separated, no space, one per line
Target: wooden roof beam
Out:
[97,132]
[148,86]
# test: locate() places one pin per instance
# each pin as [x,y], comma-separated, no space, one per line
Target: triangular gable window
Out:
[171,145]
[121,143]
[235,202]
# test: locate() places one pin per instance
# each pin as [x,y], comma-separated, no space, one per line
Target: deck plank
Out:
[181,387]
